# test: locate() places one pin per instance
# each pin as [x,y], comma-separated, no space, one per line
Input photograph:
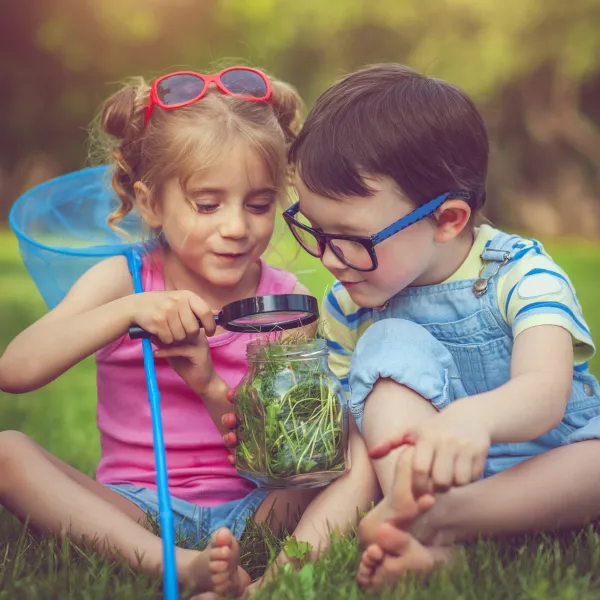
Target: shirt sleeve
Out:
[342,323]
[536,291]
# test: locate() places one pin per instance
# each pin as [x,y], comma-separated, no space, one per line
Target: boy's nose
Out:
[331,261]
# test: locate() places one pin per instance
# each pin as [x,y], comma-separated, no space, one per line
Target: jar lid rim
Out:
[308,349]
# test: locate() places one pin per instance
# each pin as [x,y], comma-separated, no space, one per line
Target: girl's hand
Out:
[191,360]
[450,449]
[230,421]
[172,316]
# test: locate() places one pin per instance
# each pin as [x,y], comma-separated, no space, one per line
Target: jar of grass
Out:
[293,417]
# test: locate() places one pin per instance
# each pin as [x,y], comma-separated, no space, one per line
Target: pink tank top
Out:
[196,456]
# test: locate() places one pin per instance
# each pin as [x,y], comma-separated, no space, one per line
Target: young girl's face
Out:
[230,221]
[405,259]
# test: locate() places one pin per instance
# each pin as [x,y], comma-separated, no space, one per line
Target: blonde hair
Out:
[185,141]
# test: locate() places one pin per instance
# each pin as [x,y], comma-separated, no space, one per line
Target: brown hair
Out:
[185,141]
[389,120]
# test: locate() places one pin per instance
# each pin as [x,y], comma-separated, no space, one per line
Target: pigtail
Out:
[121,124]
[288,108]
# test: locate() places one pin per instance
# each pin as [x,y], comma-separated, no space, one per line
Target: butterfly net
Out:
[62,231]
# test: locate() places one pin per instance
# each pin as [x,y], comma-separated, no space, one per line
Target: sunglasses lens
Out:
[179,88]
[243,82]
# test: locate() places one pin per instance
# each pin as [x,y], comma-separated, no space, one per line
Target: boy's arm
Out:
[451,447]
[538,301]
[534,400]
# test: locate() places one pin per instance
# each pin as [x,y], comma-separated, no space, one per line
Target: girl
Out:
[465,342]
[205,166]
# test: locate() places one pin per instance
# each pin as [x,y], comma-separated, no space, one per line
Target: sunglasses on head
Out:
[186,87]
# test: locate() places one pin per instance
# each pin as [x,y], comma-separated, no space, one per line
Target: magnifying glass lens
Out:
[273,318]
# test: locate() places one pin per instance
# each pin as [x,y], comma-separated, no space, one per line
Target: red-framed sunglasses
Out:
[186,87]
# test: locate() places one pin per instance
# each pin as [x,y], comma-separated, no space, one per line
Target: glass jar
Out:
[293,417]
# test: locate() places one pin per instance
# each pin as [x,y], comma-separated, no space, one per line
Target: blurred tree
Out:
[532,65]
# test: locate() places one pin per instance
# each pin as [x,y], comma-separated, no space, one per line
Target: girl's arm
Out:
[95,312]
[193,364]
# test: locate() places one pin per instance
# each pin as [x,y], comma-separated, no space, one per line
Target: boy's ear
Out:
[451,219]
[147,208]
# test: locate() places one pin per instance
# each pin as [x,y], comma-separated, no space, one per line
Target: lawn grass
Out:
[61,417]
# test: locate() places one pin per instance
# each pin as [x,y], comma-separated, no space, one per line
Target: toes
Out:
[219,566]
[393,540]
[372,556]
[221,553]
[370,560]
[222,537]
[363,579]
[364,576]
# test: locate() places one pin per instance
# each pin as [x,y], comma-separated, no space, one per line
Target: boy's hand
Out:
[450,449]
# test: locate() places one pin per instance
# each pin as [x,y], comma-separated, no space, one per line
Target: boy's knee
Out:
[408,354]
[402,334]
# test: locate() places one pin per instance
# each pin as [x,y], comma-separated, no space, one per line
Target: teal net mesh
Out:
[62,231]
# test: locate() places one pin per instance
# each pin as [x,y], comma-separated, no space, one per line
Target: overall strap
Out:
[497,253]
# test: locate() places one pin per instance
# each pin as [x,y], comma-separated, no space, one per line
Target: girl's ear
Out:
[451,219]
[147,208]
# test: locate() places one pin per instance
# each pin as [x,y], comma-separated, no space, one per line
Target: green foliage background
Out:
[532,65]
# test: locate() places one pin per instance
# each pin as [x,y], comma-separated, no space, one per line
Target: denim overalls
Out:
[446,342]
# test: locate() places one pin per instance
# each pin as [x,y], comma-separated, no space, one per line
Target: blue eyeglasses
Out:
[358,252]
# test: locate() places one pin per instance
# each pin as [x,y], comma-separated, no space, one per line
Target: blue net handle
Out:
[165,512]
[62,232]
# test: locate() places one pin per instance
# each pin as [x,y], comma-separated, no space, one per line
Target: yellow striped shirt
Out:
[534,291]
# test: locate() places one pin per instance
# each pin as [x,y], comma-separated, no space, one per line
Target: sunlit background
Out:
[533,66]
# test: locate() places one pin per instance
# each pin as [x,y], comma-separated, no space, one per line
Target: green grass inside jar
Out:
[290,418]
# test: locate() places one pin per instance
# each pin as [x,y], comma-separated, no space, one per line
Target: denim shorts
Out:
[195,524]
[409,354]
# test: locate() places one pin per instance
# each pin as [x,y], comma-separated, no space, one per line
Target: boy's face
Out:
[405,259]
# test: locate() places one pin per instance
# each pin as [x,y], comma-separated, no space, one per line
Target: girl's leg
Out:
[54,497]
[284,508]
[336,507]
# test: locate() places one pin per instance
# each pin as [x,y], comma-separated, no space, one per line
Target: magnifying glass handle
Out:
[137,333]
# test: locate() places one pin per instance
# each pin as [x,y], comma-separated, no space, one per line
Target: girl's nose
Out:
[234,225]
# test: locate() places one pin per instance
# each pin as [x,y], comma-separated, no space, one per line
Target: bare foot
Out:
[395,553]
[390,549]
[225,576]
[399,507]
[371,560]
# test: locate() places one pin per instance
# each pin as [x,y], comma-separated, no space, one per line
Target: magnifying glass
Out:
[260,314]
